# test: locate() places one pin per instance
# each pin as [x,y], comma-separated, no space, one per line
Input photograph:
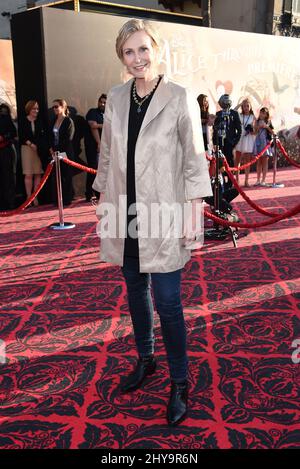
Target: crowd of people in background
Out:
[31,143]
[245,136]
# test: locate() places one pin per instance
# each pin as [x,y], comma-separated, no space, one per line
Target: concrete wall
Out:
[241,15]
[11,6]
[230,14]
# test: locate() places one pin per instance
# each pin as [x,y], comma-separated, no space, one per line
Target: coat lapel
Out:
[123,105]
[161,97]
[159,100]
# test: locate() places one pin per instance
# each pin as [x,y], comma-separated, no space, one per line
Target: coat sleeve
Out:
[99,184]
[196,176]
[67,134]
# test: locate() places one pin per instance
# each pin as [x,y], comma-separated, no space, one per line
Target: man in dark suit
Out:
[228,123]
[95,119]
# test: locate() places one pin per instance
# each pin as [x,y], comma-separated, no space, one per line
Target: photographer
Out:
[244,149]
[228,122]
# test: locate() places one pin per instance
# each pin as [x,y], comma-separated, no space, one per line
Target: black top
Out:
[7,130]
[26,133]
[96,115]
[233,127]
[131,248]
[65,137]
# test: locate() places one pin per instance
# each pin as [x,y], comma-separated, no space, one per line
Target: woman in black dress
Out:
[61,135]
[204,110]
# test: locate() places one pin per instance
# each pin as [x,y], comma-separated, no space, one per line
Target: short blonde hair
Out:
[131,27]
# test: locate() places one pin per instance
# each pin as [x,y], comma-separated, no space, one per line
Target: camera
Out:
[248,129]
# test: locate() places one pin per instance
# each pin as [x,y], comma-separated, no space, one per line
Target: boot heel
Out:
[138,375]
[152,369]
[178,403]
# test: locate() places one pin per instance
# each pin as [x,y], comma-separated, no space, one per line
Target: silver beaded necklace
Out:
[135,98]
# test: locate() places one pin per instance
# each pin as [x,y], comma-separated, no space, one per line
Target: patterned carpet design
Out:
[66,333]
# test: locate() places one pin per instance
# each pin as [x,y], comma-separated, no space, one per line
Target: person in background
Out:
[152,152]
[204,111]
[228,121]
[264,131]
[94,118]
[80,125]
[31,133]
[7,179]
[61,135]
[244,148]
[226,194]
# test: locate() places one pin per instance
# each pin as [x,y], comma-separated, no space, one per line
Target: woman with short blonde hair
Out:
[152,153]
[132,26]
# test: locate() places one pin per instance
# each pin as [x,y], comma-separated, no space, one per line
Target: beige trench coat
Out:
[170,166]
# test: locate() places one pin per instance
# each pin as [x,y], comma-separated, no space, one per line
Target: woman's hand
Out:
[96,204]
[193,224]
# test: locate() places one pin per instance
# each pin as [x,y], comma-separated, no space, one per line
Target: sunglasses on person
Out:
[56,106]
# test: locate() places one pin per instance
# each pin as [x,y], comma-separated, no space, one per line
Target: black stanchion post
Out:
[61,225]
[275,185]
[218,232]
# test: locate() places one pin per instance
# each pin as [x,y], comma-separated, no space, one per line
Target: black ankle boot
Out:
[177,406]
[144,367]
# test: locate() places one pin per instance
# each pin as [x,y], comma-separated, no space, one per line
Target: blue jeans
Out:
[166,290]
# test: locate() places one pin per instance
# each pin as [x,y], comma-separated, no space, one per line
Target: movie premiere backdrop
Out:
[72,55]
[7,78]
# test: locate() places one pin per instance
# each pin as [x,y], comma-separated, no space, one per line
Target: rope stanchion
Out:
[27,202]
[285,154]
[61,225]
[243,194]
[221,221]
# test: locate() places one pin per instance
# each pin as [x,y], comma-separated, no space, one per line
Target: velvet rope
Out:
[246,165]
[235,168]
[27,202]
[284,152]
[245,197]
[79,166]
[283,216]
[221,221]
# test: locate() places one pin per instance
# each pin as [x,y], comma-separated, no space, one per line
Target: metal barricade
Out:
[61,225]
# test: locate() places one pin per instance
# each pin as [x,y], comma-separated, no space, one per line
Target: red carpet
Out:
[66,328]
